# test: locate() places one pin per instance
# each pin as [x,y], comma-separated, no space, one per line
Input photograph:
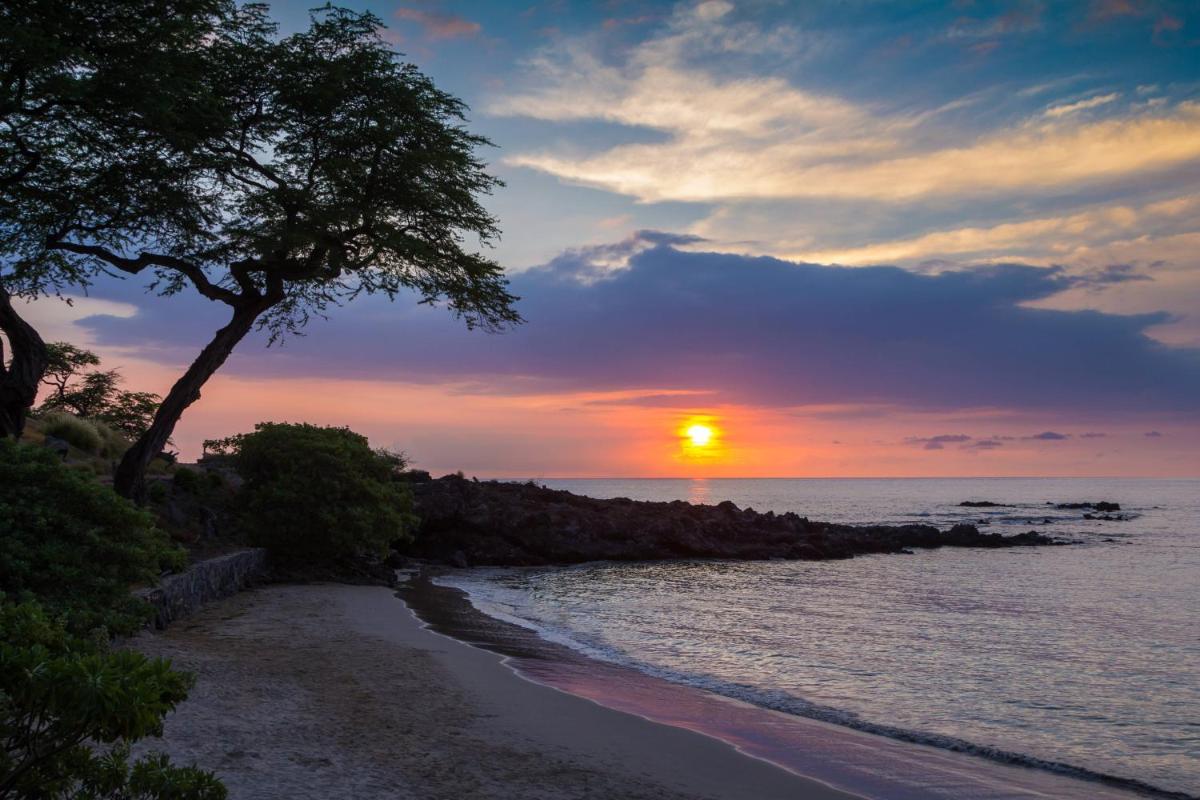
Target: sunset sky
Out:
[849,238]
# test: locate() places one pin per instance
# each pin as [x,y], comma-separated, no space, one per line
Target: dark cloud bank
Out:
[754,330]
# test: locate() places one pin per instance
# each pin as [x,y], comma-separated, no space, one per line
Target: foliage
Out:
[320,167]
[74,544]
[95,394]
[74,431]
[61,695]
[116,442]
[318,495]
[64,361]
[131,412]
[97,105]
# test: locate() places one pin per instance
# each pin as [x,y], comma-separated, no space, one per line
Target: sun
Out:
[700,435]
[701,440]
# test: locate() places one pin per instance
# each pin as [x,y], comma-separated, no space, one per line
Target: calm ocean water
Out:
[1086,656]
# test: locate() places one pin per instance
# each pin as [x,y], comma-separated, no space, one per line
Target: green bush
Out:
[60,695]
[315,495]
[74,544]
[74,431]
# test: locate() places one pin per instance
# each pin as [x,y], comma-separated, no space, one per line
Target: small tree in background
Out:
[94,394]
[64,363]
[318,496]
[338,171]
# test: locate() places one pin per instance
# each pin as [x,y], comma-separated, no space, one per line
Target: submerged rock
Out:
[981,504]
[494,523]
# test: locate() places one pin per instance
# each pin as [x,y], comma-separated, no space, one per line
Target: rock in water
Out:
[1103,505]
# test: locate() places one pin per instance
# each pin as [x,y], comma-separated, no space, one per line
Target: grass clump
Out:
[79,433]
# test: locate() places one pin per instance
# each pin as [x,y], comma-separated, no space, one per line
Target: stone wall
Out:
[212,579]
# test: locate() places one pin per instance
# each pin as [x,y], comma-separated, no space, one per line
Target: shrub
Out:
[113,442]
[188,480]
[61,695]
[318,495]
[74,431]
[74,544]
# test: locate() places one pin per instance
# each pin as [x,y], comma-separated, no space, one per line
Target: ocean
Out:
[1082,659]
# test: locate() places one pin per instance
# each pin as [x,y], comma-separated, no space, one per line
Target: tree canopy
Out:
[99,108]
[326,168]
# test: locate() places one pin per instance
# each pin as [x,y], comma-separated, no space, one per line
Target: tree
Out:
[95,394]
[318,496]
[19,373]
[63,363]
[132,412]
[339,171]
[98,108]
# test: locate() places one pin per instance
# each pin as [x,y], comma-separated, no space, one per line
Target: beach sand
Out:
[327,690]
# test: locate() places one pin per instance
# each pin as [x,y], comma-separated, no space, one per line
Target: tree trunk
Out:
[19,379]
[129,480]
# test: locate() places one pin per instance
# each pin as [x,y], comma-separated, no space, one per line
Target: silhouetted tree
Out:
[64,363]
[97,102]
[340,171]
[95,394]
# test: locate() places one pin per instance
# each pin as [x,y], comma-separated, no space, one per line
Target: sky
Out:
[849,238]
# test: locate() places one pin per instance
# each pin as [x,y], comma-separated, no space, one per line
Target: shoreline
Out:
[883,762]
[319,690]
[331,690]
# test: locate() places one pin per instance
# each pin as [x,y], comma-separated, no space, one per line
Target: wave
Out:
[790,704]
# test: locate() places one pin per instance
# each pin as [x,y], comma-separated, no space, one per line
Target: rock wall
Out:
[212,579]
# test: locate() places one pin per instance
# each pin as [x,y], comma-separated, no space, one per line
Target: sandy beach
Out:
[318,691]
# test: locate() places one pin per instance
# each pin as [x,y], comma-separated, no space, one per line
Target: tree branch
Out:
[134,266]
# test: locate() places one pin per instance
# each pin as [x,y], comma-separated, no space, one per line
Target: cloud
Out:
[733,136]
[438,25]
[1022,18]
[600,262]
[938,442]
[1113,9]
[865,164]
[1064,109]
[1153,435]
[1092,435]
[749,330]
[985,444]
[1047,239]
[1049,436]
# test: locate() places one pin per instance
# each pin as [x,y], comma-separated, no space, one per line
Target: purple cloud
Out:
[644,315]
[938,442]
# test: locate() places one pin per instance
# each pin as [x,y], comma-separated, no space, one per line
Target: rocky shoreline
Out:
[491,523]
